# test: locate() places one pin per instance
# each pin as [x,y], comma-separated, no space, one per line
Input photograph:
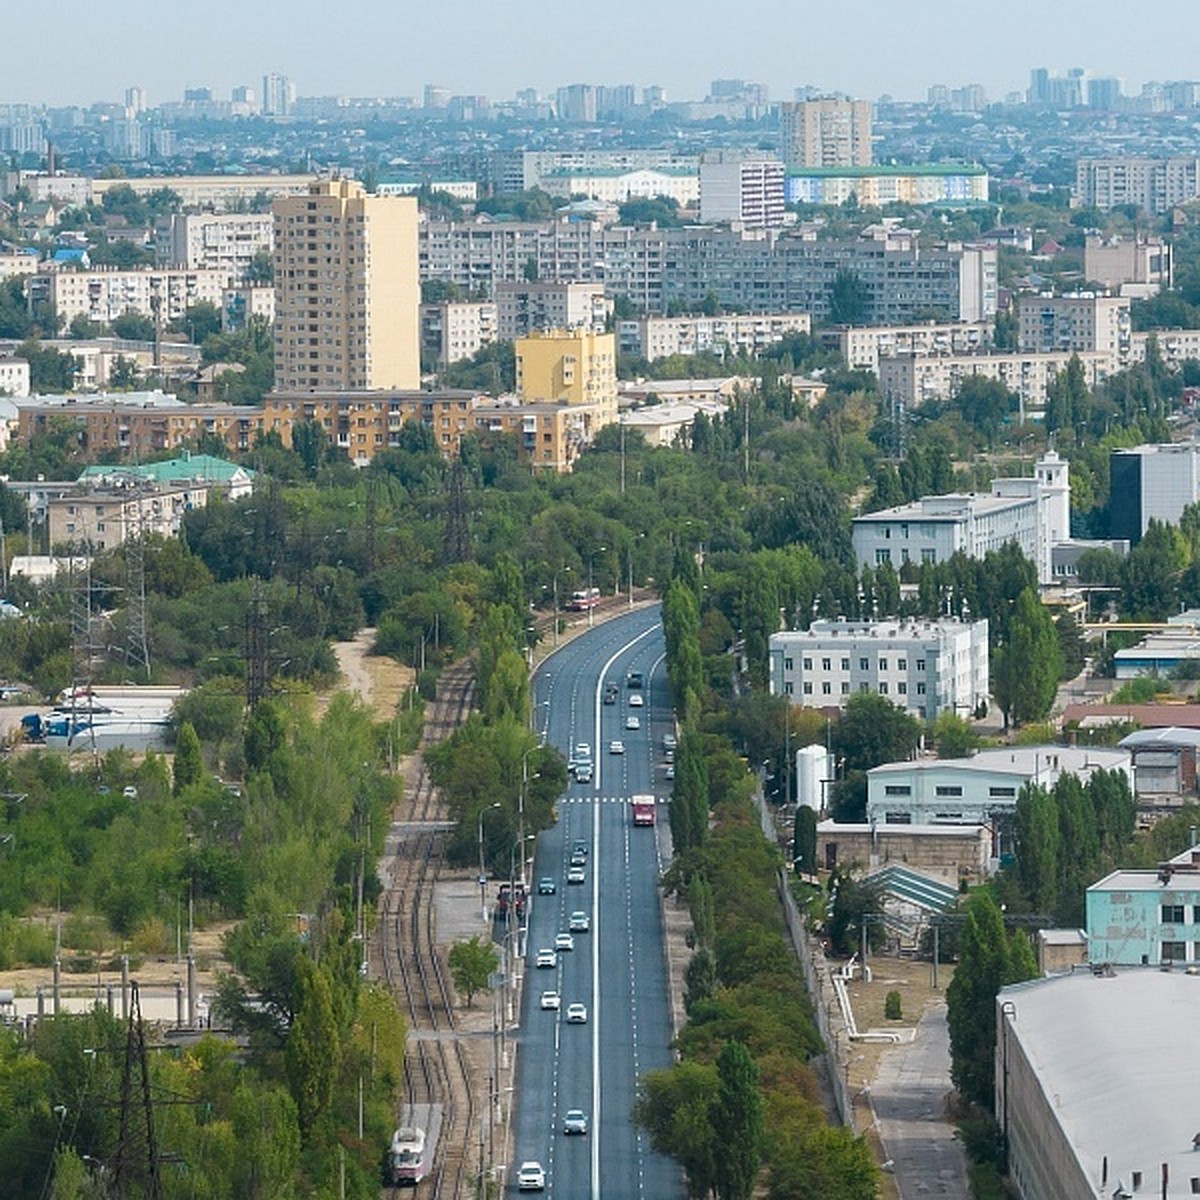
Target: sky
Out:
[865,48]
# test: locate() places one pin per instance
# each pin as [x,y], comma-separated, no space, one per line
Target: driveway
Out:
[908,1096]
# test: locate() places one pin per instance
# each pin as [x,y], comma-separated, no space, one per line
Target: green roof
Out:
[191,466]
[876,172]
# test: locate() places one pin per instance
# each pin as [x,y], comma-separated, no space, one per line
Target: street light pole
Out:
[482,871]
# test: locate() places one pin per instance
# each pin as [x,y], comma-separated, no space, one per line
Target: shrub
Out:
[891,1006]
[151,938]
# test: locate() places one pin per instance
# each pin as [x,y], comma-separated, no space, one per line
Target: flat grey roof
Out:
[1116,1058]
[1173,736]
[1017,760]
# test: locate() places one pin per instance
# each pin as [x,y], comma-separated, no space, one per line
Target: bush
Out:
[151,938]
[892,1007]
[427,684]
[23,944]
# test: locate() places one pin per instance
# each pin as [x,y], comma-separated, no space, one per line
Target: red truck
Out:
[643,810]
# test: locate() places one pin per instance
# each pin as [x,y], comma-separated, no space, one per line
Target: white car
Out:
[575,1121]
[576,875]
[551,1000]
[633,722]
[616,747]
[636,700]
[547,958]
[580,922]
[576,1014]
[564,941]
[531,1177]
[583,752]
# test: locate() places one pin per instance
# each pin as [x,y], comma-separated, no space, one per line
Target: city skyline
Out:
[394,52]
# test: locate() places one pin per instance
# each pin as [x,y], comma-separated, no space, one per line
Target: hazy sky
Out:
[75,53]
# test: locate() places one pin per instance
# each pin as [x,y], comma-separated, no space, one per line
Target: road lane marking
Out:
[595,1015]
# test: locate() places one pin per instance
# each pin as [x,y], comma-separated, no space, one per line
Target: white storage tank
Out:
[812,770]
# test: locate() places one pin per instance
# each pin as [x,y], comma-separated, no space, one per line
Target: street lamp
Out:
[591,585]
[482,872]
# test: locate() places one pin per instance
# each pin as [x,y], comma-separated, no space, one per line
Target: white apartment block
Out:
[455,330]
[912,379]
[1175,346]
[239,305]
[524,170]
[14,377]
[524,308]
[862,346]
[219,241]
[63,190]
[616,186]
[1077,321]
[104,293]
[1035,513]
[825,133]
[741,188]
[18,262]
[464,190]
[652,338]
[926,667]
[1155,185]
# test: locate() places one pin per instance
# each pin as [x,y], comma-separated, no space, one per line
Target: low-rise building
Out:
[1147,917]
[549,436]
[1033,512]
[14,376]
[926,667]
[218,193]
[616,185]
[862,346]
[721,389]
[652,338]
[244,303]
[103,516]
[18,262]
[670,424]
[947,852]
[1092,1069]
[982,789]
[1135,266]
[231,479]
[1164,765]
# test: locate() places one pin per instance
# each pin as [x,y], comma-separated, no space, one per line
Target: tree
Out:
[954,736]
[50,370]
[471,963]
[675,1106]
[738,1113]
[1036,831]
[985,404]
[1027,669]
[849,300]
[312,1051]
[699,979]
[189,763]
[134,326]
[805,844]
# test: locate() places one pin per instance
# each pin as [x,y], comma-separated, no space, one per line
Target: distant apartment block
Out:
[617,185]
[18,262]
[825,133]
[464,190]
[105,515]
[1155,185]
[873,187]
[524,170]
[525,308]
[1175,346]
[97,358]
[926,667]
[1151,482]
[1144,266]
[862,346]
[218,241]
[549,437]
[219,193]
[652,338]
[105,293]
[14,376]
[1034,513]
[346,289]
[914,379]
[64,190]
[243,303]
[1077,321]
[568,367]
[455,330]
[741,188]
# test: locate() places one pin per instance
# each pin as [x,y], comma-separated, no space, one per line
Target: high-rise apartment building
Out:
[279,96]
[830,132]
[347,297]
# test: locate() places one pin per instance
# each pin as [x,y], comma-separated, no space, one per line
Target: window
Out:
[826,688]
[788,664]
[897,789]
[920,664]
[807,689]
[789,688]
[883,689]
[845,664]
[1172,914]
[1196,914]
[808,664]
[1002,792]
[883,664]
[864,664]
[928,555]
[882,556]
[826,664]
[949,790]
[864,687]
[902,664]
[845,689]
[897,818]
[1174,952]
[902,688]
[921,689]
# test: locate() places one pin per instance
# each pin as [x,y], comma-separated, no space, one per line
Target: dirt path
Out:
[378,681]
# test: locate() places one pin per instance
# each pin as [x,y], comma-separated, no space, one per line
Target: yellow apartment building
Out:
[571,367]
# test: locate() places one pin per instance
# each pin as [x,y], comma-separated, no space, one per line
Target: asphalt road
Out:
[618,969]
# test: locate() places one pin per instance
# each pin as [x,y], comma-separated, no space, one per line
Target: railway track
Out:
[437,1070]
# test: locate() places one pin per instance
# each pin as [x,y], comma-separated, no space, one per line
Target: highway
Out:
[618,969]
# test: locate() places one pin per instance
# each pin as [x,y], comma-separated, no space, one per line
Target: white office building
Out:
[926,667]
[973,791]
[1035,513]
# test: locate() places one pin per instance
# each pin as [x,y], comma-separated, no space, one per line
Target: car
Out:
[580,922]
[547,958]
[130,792]
[633,722]
[610,696]
[583,752]
[669,741]
[579,846]
[551,1000]
[616,747]
[669,755]
[576,1014]
[575,1121]
[576,875]
[670,771]
[531,1177]
[583,773]
[636,700]
[578,858]
[546,886]
[564,941]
